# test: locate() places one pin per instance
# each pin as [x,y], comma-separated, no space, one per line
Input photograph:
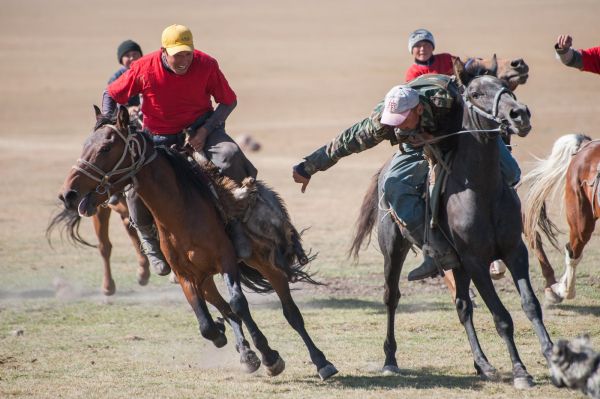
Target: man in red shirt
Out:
[421,45]
[177,84]
[587,60]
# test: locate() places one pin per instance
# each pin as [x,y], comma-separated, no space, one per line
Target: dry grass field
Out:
[303,71]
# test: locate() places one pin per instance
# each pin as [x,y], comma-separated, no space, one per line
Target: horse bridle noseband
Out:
[135,150]
[493,116]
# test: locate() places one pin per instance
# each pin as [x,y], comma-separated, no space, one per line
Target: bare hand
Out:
[298,178]
[564,42]
[198,139]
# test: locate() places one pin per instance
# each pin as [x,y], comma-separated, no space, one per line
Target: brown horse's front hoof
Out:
[277,368]
[110,288]
[551,298]
[143,276]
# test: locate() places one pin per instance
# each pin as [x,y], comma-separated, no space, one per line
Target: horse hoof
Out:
[390,370]
[220,341]
[143,277]
[523,382]
[109,289]
[173,278]
[488,373]
[551,297]
[327,371]
[276,368]
[250,362]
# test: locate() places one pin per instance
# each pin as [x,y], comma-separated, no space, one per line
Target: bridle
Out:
[137,154]
[475,110]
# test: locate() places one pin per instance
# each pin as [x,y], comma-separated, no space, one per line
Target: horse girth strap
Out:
[133,148]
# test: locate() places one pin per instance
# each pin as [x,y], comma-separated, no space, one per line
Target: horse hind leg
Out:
[581,226]
[279,281]
[394,249]
[101,222]
[250,362]
[270,358]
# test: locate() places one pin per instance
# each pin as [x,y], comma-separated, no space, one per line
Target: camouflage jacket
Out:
[369,132]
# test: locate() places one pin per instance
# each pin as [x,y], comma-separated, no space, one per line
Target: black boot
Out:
[239,239]
[151,248]
[438,255]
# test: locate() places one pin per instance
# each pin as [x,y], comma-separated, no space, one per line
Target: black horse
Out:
[482,217]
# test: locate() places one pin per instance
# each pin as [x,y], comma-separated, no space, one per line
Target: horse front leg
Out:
[208,328]
[248,358]
[504,324]
[143,271]
[464,308]
[270,358]
[547,271]
[101,222]
[518,264]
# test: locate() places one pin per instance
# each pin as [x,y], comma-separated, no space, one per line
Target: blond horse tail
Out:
[545,180]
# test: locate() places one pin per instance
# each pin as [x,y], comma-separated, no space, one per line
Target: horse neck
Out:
[477,157]
[157,185]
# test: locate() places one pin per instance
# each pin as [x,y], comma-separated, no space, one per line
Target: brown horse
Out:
[193,235]
[573,168]
[69,221]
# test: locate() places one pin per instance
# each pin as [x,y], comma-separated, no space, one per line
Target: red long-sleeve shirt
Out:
[442,64]
[173,102]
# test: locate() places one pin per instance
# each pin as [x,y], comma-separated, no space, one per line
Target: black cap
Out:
[127,45]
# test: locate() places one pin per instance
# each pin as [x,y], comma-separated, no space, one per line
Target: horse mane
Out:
[546,179]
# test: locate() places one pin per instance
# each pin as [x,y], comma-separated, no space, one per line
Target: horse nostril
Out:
[68,198]
[514,114]
[516,63]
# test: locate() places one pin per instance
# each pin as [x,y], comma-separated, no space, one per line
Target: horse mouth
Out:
[520,131]
[86,206]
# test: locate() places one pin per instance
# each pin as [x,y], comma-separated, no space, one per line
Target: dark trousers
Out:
[220,149]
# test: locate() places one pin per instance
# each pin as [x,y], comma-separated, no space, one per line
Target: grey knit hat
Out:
[417,36]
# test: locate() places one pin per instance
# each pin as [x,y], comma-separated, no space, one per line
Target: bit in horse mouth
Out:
[86,206]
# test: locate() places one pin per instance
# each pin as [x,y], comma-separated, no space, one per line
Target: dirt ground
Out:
[303,71]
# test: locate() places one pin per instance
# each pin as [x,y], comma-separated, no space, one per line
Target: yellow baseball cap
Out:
[177,38]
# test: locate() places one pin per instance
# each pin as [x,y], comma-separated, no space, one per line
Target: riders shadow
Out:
[377,307]
[582,310]
[424,378]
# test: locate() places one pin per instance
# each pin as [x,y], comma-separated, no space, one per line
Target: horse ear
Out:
[459,71]
[494,67]
[98,112]
[123,118]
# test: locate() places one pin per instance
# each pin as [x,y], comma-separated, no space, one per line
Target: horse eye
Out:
[475,95]
[105,148]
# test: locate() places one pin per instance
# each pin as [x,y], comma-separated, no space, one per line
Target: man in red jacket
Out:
[178,84]
[587,60]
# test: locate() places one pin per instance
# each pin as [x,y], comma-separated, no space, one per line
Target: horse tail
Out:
[547,178]
[67,221]
[367,216]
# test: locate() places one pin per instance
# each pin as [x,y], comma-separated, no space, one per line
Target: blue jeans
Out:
[406,178]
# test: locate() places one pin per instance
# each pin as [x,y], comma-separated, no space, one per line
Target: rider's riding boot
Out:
[151,248]
[239,239]
[438,255]
[114,199]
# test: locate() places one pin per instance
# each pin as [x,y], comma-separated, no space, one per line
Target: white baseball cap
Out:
[398,103]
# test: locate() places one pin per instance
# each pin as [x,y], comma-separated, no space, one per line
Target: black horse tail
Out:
[67,221]
[367,216]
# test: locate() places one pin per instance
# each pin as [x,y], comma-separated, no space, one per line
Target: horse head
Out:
[491,105]
[109,158]
[514,72]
